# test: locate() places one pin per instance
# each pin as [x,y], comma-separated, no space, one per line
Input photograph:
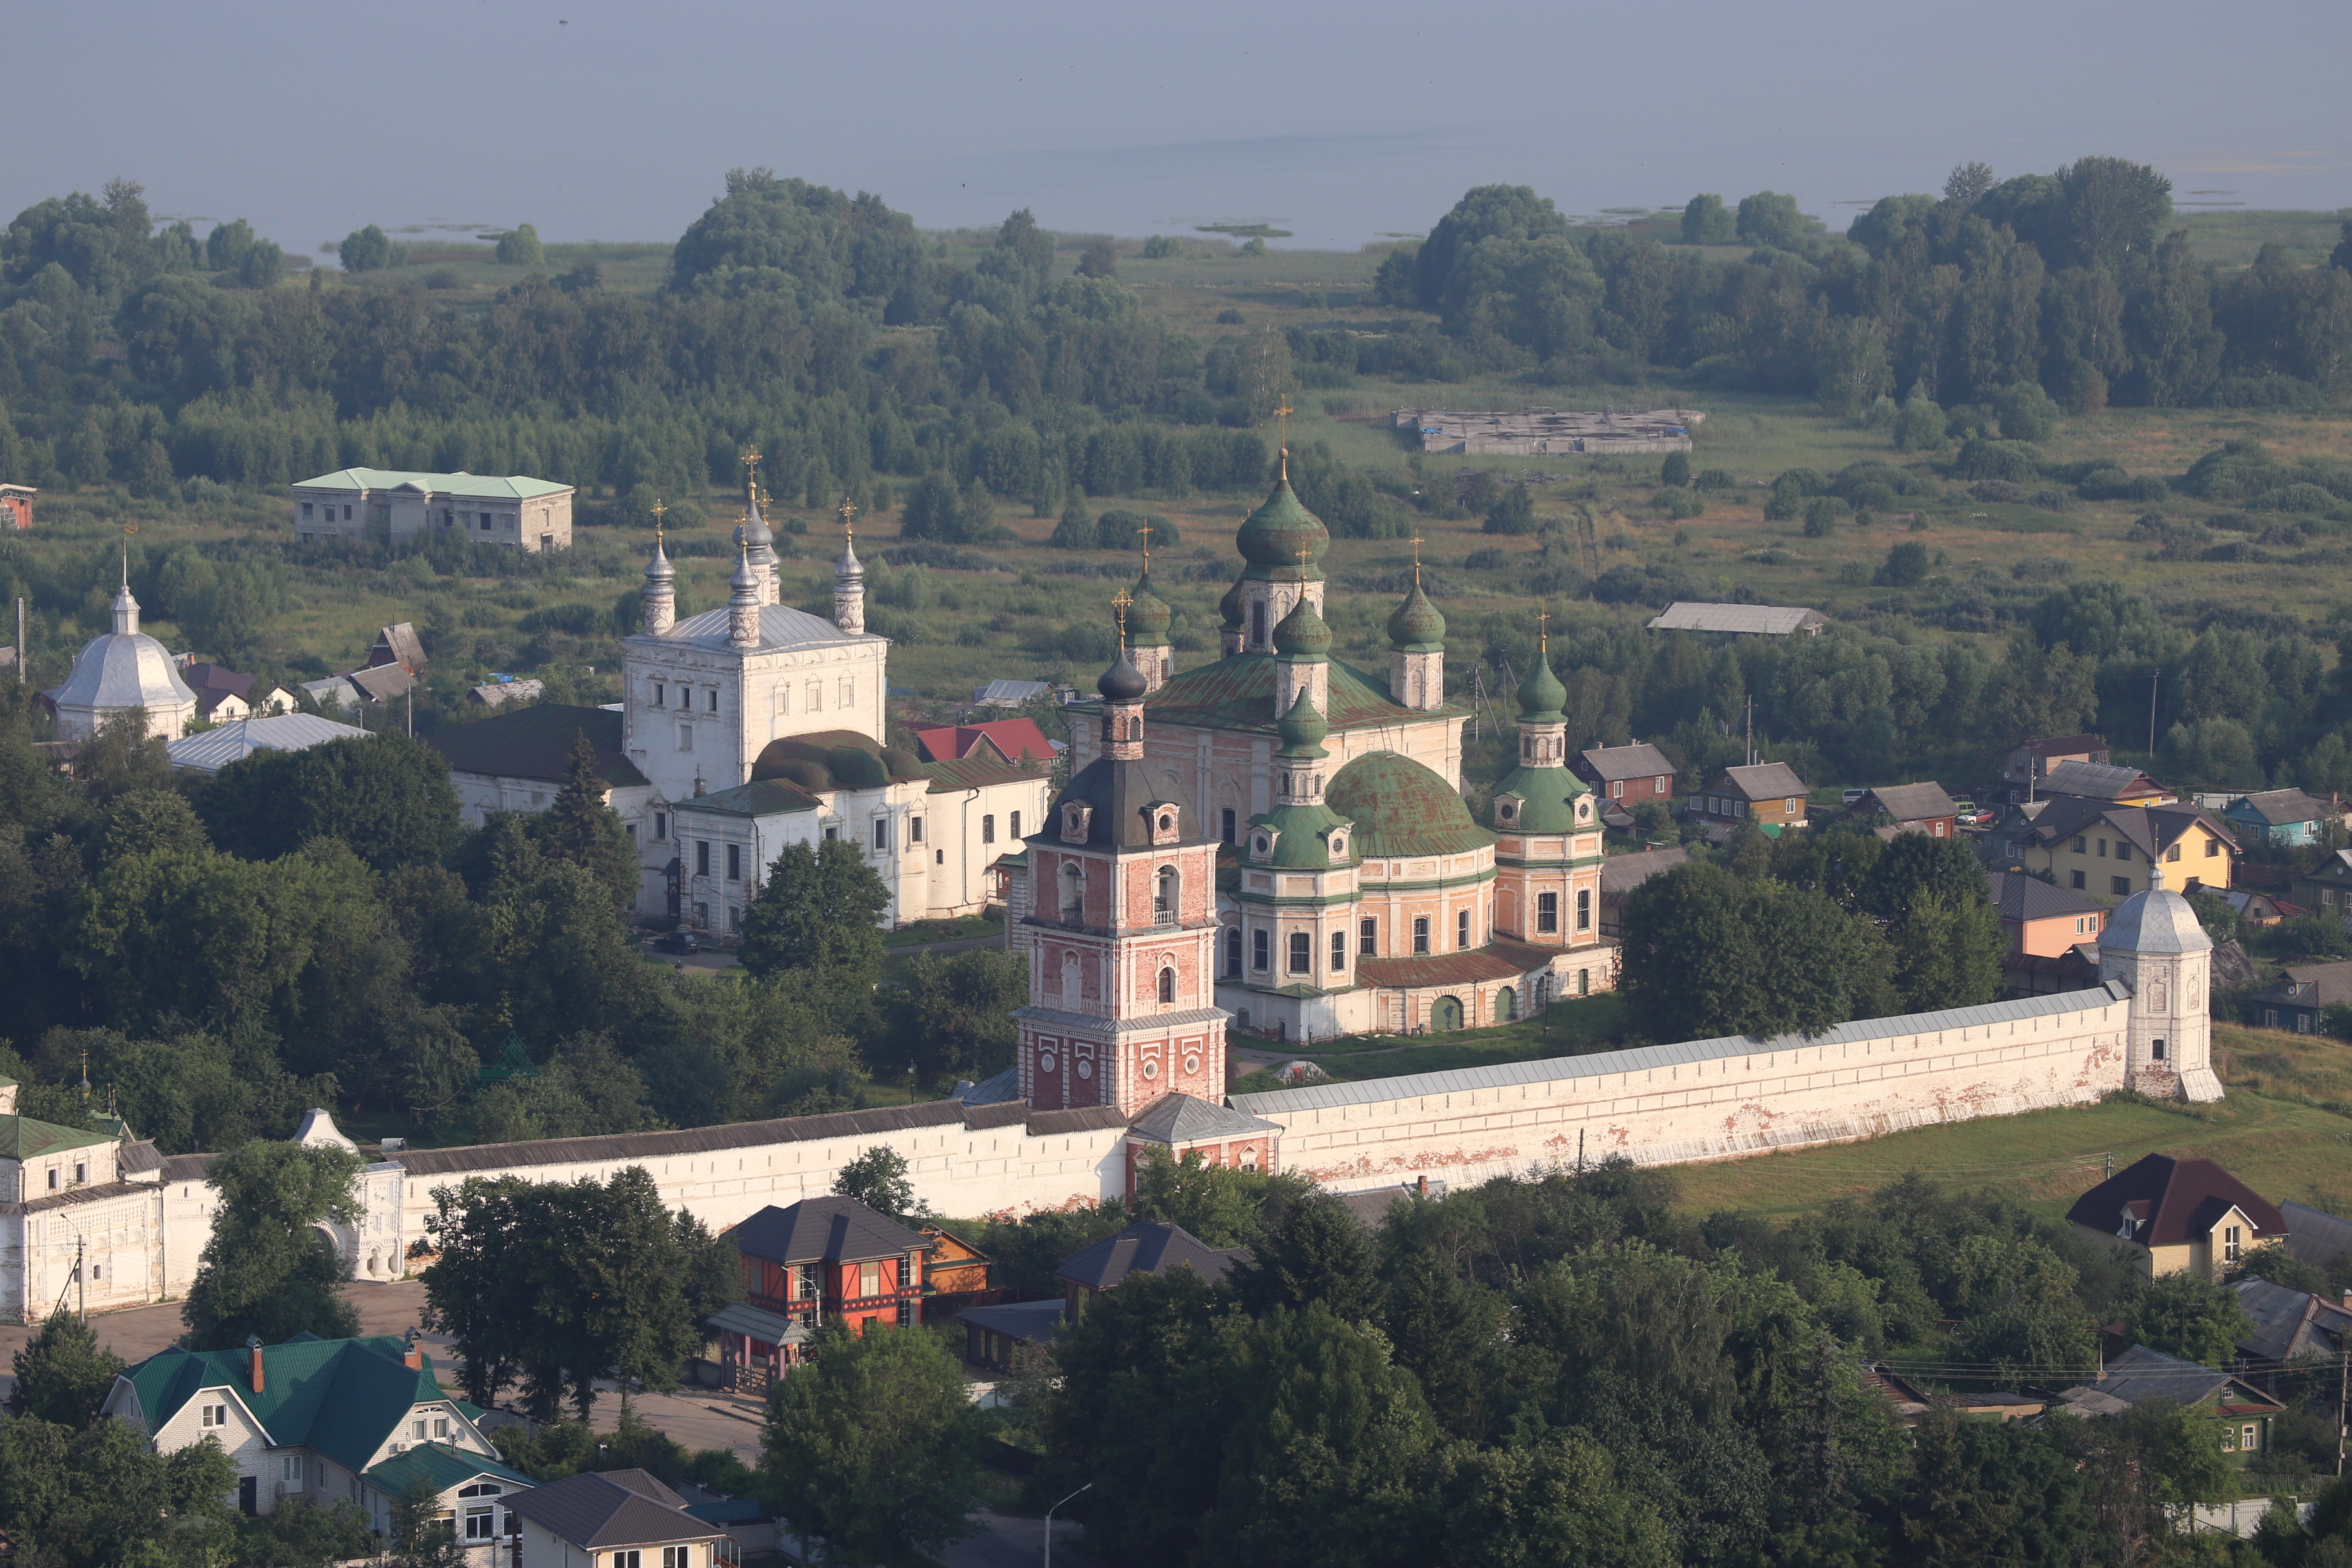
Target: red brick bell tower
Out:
[1123,926]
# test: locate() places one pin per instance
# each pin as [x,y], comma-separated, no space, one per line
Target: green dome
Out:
[1302,634]
[1541,694]
[1547,800]
[1400,807]
[1302,730]
[1230,607]
[1277,531]
[855,769]
[1148,616]
[1417,628]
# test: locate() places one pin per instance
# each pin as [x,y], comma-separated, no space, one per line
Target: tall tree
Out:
[62,1375]
[269,1268]
[877,1178]
[579,828]
[874,1447]
[818,909]
[95,1497]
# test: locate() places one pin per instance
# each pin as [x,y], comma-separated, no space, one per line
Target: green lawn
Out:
[1570,1028]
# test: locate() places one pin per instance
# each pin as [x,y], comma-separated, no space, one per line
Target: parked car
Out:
[1977,816]
[678,941]
[1847,797]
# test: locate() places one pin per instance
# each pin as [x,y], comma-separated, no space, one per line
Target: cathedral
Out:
[1276,842]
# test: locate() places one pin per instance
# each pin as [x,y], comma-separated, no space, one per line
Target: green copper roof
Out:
[1541,694]
[1237,693]
[1304,838]
[441,1466]
[1148,616]
[24,1137]
[1417,628]
[1302,635]
[1547,796]
[479,487]
[1302,731]
[1272,538]
[1401,808]
[342,1397]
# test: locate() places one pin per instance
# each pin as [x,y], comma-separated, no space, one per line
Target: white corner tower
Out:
[661,584]
[848,581]
[2154,946]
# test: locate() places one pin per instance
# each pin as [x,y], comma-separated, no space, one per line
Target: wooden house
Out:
[2243,1413]
[2327,888]
[828,1260]
[2031,761]
[1770,792]
[1912,807]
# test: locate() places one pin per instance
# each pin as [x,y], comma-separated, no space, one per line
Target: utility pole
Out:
[1751,731]
[20,639]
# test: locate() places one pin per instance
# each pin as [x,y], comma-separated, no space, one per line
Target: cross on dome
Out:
[849,509]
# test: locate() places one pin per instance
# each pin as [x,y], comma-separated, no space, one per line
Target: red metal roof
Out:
[1501,959]
[1010,737]
[2190,1197]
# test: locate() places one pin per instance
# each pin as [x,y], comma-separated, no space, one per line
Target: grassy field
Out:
[1574,1028]
[2268,1132]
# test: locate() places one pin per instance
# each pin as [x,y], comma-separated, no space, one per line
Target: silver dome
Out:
[125,668]
[2158,920]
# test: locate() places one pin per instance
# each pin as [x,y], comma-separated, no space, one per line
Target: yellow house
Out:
[2106,850]
[2173,1215]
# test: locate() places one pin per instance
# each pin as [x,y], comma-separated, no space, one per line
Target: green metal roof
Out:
[1547,798]
[442,1466]
[1541,694]
[480,487]
[1272,537]
[1401,808]
[24,1137]
[761,797]
[1416,626]
[1237,693]
[342,1397]
[1303,841]
[975,772]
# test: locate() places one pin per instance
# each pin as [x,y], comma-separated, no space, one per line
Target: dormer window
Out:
[1261,844]
[1583,810]
[1338,847]
[1507,809]
[1074,817]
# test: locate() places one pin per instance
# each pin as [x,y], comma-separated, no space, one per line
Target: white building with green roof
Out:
[513,509]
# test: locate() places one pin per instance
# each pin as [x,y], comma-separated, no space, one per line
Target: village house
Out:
[2327,888]
[1625,776]
[1148,1247]
[613,1519]
[1714,621]
[2175,1215]
[828,1259]
[2243,1412]
[2100,781]
[2300,998]
[2054,935]
[2260,908]
[321,1419]
[16,506]
[1769,792]
[955,1274]
[1005,740]
[520,513]
[2281,818]
[2290,1328]
[2030,763]
[209,751]
[1907,808]
[1621,874]
[223,694]
[2099,848]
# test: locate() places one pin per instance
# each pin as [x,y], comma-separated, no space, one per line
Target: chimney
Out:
[253,1348]
[1421,1187]
[415,1356]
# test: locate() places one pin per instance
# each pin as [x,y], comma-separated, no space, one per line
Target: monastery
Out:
[1271,841]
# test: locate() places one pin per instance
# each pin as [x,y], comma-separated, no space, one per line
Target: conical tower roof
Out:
[1417,628]
[657,569]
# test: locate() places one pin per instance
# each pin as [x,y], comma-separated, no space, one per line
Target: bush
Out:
[1872,497]
[1229,317]
[1920,427]
[1906,567]
[2147,488]
[1716,480]
[2305,498]
[1822,516]
[520,248]
[2011,460]
[1161,246]
[1675,469]
[2049,498]
[1513,511]
[1074,532]
[1682,500]
[2027,413]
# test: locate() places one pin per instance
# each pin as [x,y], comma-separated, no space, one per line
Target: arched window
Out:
[1166,985]
[1258,621]
[1258,946]
[1074,894]
[1163,896]
[1233,952]
[1301,953]
[1073,984]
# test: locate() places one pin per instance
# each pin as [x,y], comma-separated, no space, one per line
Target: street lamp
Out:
[1049,1523]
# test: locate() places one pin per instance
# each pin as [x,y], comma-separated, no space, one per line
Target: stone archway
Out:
[1446,1013]
[1507,1005]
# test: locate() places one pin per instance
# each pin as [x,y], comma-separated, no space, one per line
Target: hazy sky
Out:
[1344,123]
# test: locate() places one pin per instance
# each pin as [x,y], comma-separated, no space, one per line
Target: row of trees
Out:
[2067,280]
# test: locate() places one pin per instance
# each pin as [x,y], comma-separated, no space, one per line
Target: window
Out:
[56,1181]
[306,512]
[1226,818]
[2081,844]
[2250,1437]
[2119,885]
[82,1174]
[2303,1023]
[1232,951]
[678,1557]
[290,1469]
[2077,883]
[870,1279]
[1585,983]
[734,917]
[481,1523]
[783,701]
[2102,849]
[710,699]
[212,1416]
[881,833]
[1016,825]
[416,1430]
[1789,806]
[1368,938]
[2232,1243]
[734,862]
[1166,985]
[939,856]
[1462,928]
[1258,621]
[629,1560]
[2270,1017]
[988,829]
[659,694]
[814,698]
[1338,952]
[702,857]
[1584,908]
[914,830]
[848,694]
[2172,854]
[485,517]
[1163,896]
[2123,850]
[1260,943]
[661,825]
[685,737]
[1616,789]
[1301,959]
[347,514]
[2213,848]
[2157,1050]
[1420,933]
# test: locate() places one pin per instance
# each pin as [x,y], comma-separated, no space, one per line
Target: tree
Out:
[1706,221]
[1967,183]
[2185,1314]
[1708,954]
[1098,260]
[819,910]
[579,828]
[1073,531]
[421,1536]
[2115,210]
[389,797]
[97,1498]
[1769,218]
[874,1447]
[934,511]
[1019,236]
[1512,512]
[877,1178]
[1906,566]
[1216,1204]
[1921,425]
[299,1532]
[1675,469]
[1929,895]
[269,1268]
[366,249]
[955,1011]
[1307,1247]
[1537,1504]
[122,756]
[520,246]
[62,1375]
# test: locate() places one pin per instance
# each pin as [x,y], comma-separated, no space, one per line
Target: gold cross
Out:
[1543,633]
[1143,531]
[1416,561]
[658,509]
[752,459]
[1118,603]
[849,509]
[1282,411]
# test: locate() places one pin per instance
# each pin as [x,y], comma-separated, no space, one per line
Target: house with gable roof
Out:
[615,1518]
[331,1420]
[2175,1215]
[2141,1376]
[514,510]
[822,1260]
